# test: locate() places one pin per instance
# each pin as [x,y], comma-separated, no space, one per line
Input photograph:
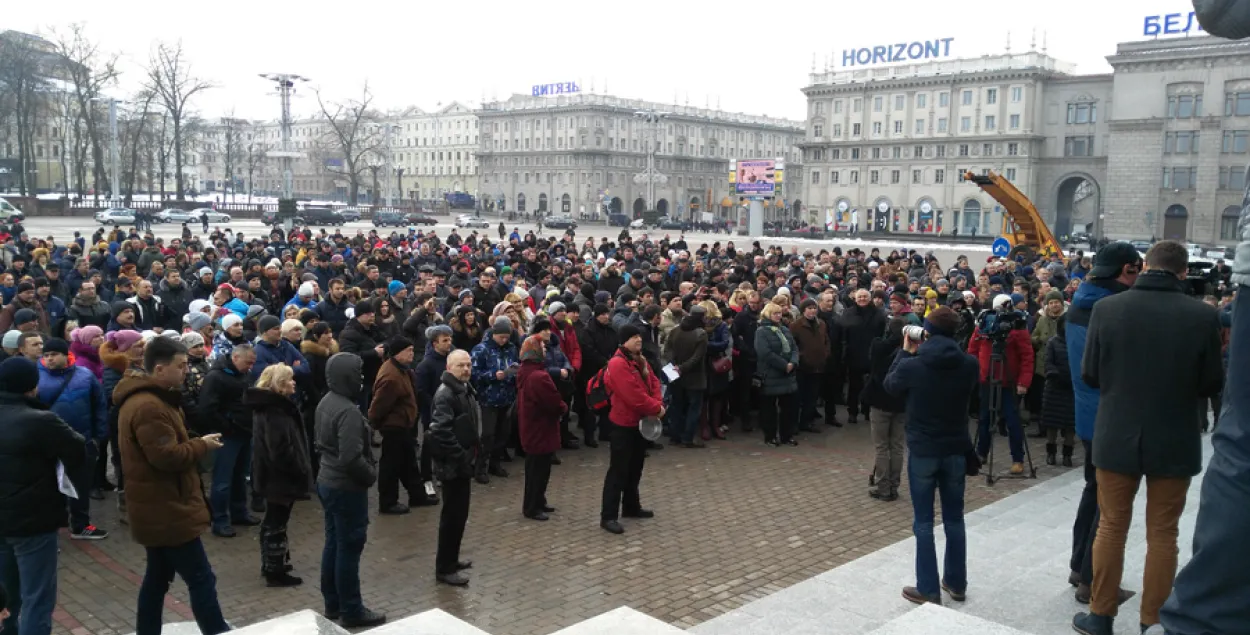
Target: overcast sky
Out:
[751,57]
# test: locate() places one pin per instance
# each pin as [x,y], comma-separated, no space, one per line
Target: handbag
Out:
[722,365]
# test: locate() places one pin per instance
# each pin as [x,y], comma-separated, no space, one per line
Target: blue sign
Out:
[900,52]
[1172,23]
[563,88]
[1001,247]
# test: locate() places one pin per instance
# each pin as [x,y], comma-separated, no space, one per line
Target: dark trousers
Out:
[537,475]
[620,485]
[190,562]
[496,429]
[102,457]
[398,466]
[745,395]
[809,391]
[684,413]
[779,426]
[1086,525]
[82,477]
[451,524]
[585,419]
[426,461]
[275,550]
[347,529]
[28,574]
[854,387]
[831,391]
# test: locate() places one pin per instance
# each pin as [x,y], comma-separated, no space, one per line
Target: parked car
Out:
[214,216]
[1141,245]
[350,214]
[468,220]
[417,218]
[172,215]
[389,218]
[669,223]
[270,217]
[560,222]
[321,216]
[9,213]
[638,223]
[115,216]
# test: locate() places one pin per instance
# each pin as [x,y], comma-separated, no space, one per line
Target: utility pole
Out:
[286,205]
[115,169]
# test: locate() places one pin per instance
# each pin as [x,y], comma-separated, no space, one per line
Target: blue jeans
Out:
[231,464]
[686,408]
[1208,595]
[28,572]
[347,525]
[189,562]
[944,475]
[985,427]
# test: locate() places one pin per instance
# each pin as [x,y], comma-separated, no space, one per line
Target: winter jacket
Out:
[881,355]
[429,377]
[164,498]
[223,344]
[557,360]
[10,310]
[32,441]
[455,428]
[860,326]
[633,391]
[414,327]
[812,339]
[281,468]
[936,384]
[488,358]
[686,348]
[1058,404]
[1043,331]
[87,356]
[1153,353]
[150,313]
[621,316]
[394,403]
[317,356]
[79,400]
[745,323]
[341,433]
[360,340]
[1082,308]
[719,344]
[568,343]
[668,322]
[599,343]
[115,366]
[94,312]
[177,301]
[54,307]
[192,386]
[283,352]
[221,400]
[539,409]
[1018,364]
[775,349]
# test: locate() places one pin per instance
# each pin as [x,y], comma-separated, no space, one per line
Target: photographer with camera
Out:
[1004,351]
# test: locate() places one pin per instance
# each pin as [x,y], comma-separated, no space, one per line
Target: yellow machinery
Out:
[1022,225]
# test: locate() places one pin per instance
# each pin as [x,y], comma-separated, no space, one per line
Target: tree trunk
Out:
[181,195]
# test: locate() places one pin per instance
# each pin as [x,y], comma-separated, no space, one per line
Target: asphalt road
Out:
[63,228]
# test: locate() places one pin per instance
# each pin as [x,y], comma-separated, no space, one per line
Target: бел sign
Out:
[563,88]
[900,52]
[1171,24]
[757,177]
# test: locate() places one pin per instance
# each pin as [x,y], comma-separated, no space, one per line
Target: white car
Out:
[214,216]
[173,215]
[468,220]
[115,216]
[638,223]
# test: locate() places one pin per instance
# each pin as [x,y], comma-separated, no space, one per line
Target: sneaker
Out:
[612,526]
[90,532]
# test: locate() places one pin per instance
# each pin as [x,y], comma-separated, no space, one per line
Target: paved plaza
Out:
[734,523]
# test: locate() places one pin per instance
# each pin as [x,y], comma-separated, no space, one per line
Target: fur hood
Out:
[309,347]
[110,357]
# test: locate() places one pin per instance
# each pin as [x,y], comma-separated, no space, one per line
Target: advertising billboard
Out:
[756,177]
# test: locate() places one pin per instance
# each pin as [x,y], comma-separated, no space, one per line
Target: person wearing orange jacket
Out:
[1014,377]
[634,392]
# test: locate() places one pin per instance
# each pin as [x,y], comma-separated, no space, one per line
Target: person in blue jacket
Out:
[272,349]
[76,396]
[495,364]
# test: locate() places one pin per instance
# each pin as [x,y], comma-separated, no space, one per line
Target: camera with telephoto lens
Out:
[996,325]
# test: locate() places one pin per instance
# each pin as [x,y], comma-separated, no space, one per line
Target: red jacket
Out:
[569,345]
[1018,367]
[539,409]
[632,396]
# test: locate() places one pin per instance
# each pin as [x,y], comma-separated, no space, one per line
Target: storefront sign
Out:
[900,52]
[564,88]
[1171,24]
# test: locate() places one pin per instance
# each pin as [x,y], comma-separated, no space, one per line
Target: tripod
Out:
[997,364]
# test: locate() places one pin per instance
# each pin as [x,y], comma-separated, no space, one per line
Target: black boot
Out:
[1067,456]
[1050,453]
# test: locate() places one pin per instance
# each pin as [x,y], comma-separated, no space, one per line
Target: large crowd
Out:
[207,378]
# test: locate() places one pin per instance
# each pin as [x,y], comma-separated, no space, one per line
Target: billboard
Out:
[756,177]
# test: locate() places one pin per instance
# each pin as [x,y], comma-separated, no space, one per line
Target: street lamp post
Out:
[286,205]
[114,160]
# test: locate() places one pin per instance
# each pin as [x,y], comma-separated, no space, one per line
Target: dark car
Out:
[349,214]
[270,217]
[557,222]
[321,216]
[389,218]
[417,218]
[673,224]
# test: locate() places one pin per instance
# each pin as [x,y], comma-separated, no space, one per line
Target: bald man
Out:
[455,422]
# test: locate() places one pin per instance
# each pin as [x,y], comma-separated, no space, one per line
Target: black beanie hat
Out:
[119,307]
[267,323]
[629,332]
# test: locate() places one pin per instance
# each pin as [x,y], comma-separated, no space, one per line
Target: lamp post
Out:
[114,161]
[286,204]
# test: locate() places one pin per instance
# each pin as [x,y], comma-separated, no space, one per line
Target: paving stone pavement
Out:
[734,523]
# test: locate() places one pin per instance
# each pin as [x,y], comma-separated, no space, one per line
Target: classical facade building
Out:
[1154,149]
[434,152]
[586,153]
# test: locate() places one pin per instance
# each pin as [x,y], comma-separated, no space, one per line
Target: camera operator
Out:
[1002,331]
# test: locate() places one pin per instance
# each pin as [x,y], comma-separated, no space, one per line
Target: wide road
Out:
[63,228]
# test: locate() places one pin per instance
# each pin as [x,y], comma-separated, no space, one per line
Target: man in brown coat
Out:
[811,335]
[393,410]
[165,501]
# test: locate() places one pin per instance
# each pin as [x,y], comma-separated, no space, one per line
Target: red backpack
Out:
[597,398]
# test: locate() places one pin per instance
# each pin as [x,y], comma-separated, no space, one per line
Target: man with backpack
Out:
[600,345]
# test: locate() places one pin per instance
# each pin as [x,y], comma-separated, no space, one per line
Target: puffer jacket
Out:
[281,467]
[719,344]
[342,434]
[775,349]
[1043,330]
[394,403]
[79,400]
[95,312]
[882,355]
[488,358]
[633,390]
[1018,365]
[192,385]
[283,352]
[1058,402]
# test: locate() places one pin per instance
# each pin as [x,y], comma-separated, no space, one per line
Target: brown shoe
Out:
[1083,593]
[913,595]
[959,596]
[1017,469]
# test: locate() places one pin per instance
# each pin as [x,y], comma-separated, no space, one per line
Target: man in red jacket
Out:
[1014,374]
[634,392]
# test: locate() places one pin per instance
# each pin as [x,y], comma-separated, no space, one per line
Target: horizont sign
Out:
[900,52]
[562,88]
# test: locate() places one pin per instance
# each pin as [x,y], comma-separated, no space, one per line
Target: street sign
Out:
[1001,247]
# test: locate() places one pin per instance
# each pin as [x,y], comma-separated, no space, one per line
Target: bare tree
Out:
[170,77]
[90,72]
[232,149]
[132,138]
[352,134]
[22,83]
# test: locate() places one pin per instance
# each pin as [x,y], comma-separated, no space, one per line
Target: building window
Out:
[1010,173]
[876,128]
[1233,179]
[1013,149]
[966,98]
[837,107]
[963,149]
[874,177]
[1184,106]
[1078,147]
[1017,94]
[895,176]
[991,95]
[1014,122]
[965,124]
[1235,141]
[854,176]
[941,125]
[876,153]
[1179,178]
[836,154]
[987,149]
[917,151]
[944,99]
[855,130]
[1228,223]
[856,104]
[939,176]
[922,101]
[815,177]
[990,123]
[835,177]
[920,126]
[898,127]
[1082,113]
[878,103]
[941,151]
[1185,142]
[818,130]
[854,154]
[896,152]
[900,102]
[917,176]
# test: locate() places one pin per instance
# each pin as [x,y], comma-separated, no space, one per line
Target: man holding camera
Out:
[1004,351]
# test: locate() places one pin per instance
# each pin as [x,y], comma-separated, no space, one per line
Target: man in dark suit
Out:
[1153,353]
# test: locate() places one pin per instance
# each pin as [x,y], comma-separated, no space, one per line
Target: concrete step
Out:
[930,619]
[432,622]
[621,621]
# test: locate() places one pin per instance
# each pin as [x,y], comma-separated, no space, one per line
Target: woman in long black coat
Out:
[1058,401]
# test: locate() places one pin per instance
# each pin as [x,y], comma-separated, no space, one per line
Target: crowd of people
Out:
[205,379]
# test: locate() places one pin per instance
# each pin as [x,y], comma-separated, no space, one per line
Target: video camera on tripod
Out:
[996,325]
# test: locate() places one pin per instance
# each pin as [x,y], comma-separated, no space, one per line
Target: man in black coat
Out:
[32,508]
[859,326]
[221,401]
[86,308]
[177,297]
[746,396]
[598,341]
[454,425]
[360,338]
[1153,353]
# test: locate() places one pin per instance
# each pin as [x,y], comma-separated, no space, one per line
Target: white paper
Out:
[63,483]
[671,372]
